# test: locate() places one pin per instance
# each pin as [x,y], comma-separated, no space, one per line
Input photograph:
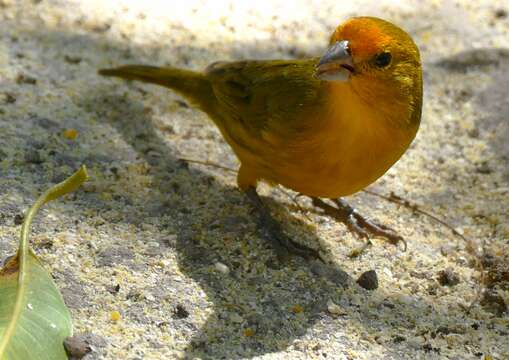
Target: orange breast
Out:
[351,146]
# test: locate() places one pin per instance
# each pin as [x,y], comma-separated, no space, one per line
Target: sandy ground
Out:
[173,246]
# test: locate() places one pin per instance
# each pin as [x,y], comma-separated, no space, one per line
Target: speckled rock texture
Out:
[172,246]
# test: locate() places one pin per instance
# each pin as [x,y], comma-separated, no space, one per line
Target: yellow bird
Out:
[324,127]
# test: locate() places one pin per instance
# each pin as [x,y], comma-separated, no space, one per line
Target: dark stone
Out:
[448,277]
[180,312]
[79,345]
[76,347]
[501,13]
[18,219]
[368,280]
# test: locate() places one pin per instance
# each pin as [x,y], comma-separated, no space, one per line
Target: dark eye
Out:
[383,59]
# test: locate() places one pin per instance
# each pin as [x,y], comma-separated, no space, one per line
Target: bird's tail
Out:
[193,85]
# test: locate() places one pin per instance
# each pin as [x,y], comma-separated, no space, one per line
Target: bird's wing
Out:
[272,97]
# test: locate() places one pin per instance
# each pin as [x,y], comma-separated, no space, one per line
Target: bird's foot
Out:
[271,230]
[359,225]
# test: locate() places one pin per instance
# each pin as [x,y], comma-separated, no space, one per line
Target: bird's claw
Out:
[359,225]
[368,227]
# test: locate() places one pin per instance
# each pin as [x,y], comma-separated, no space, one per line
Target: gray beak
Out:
[336,64]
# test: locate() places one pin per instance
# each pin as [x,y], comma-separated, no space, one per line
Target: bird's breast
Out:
[350,146]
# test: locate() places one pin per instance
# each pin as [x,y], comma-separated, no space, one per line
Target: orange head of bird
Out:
[377,58]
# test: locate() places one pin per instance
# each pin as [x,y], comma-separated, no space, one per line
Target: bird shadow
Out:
[258,301]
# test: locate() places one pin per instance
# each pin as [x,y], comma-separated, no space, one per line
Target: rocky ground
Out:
[172,246]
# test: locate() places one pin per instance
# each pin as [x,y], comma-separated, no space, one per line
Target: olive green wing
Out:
[274,97]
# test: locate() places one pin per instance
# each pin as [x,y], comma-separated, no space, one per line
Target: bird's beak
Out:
[336,64]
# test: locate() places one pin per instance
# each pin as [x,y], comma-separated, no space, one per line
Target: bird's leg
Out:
[272,231]
[358,224]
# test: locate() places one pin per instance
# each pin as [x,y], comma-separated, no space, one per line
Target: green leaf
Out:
[34,320]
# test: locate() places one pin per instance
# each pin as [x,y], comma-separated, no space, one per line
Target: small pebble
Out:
[76,347]
[18,219]
[236,318]
[501,13]
[334,309]
[448,277]
[79,345]
[222,268]
[368,280]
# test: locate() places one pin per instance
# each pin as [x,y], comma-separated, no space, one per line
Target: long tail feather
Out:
[191,84]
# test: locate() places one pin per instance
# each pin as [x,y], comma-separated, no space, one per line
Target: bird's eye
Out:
[383,59]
